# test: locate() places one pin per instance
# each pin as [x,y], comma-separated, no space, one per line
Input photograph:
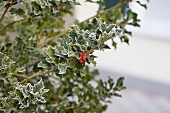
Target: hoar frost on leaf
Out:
[23,97]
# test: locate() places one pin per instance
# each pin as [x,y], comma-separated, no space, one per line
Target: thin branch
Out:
[72,107]
[39,73]
[51,39]
[4,13]
[19,75]
[16,74]
[62,33]
[13,23]
[18,21]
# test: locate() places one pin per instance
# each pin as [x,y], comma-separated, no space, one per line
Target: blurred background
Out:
[145,63]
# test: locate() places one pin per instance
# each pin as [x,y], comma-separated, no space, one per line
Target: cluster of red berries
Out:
[9,0]
[83,57]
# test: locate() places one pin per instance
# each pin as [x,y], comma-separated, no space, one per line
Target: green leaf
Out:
[117,95]
[42,65]
[110,27]
[62,68]
[125,39]
[21,69]
[119,84]
[103,27]
[114,44]
[38,87]
[5,62]
[17,11]
[50,60]
[13,80]
[143,5]
[111,82]
[50,51]
[77,3]
[41,99]
[104,46]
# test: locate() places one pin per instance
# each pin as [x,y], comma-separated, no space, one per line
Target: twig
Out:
[72,107]
[51,39]
[20,75]
[4,13]
[39,73]
[13,23]
[18,21]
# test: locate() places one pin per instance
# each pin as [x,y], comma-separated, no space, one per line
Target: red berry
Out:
[130,0]
[88,56]
[122,22]
[9,0]
[81,54]
[81,60]
[84,58]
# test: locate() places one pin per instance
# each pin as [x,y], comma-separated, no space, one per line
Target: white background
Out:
[148,55]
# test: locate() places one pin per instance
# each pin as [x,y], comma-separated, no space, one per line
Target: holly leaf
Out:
[21,69]
[143,5]
[17,11]
[42,65]
[62,68]
[38,87]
